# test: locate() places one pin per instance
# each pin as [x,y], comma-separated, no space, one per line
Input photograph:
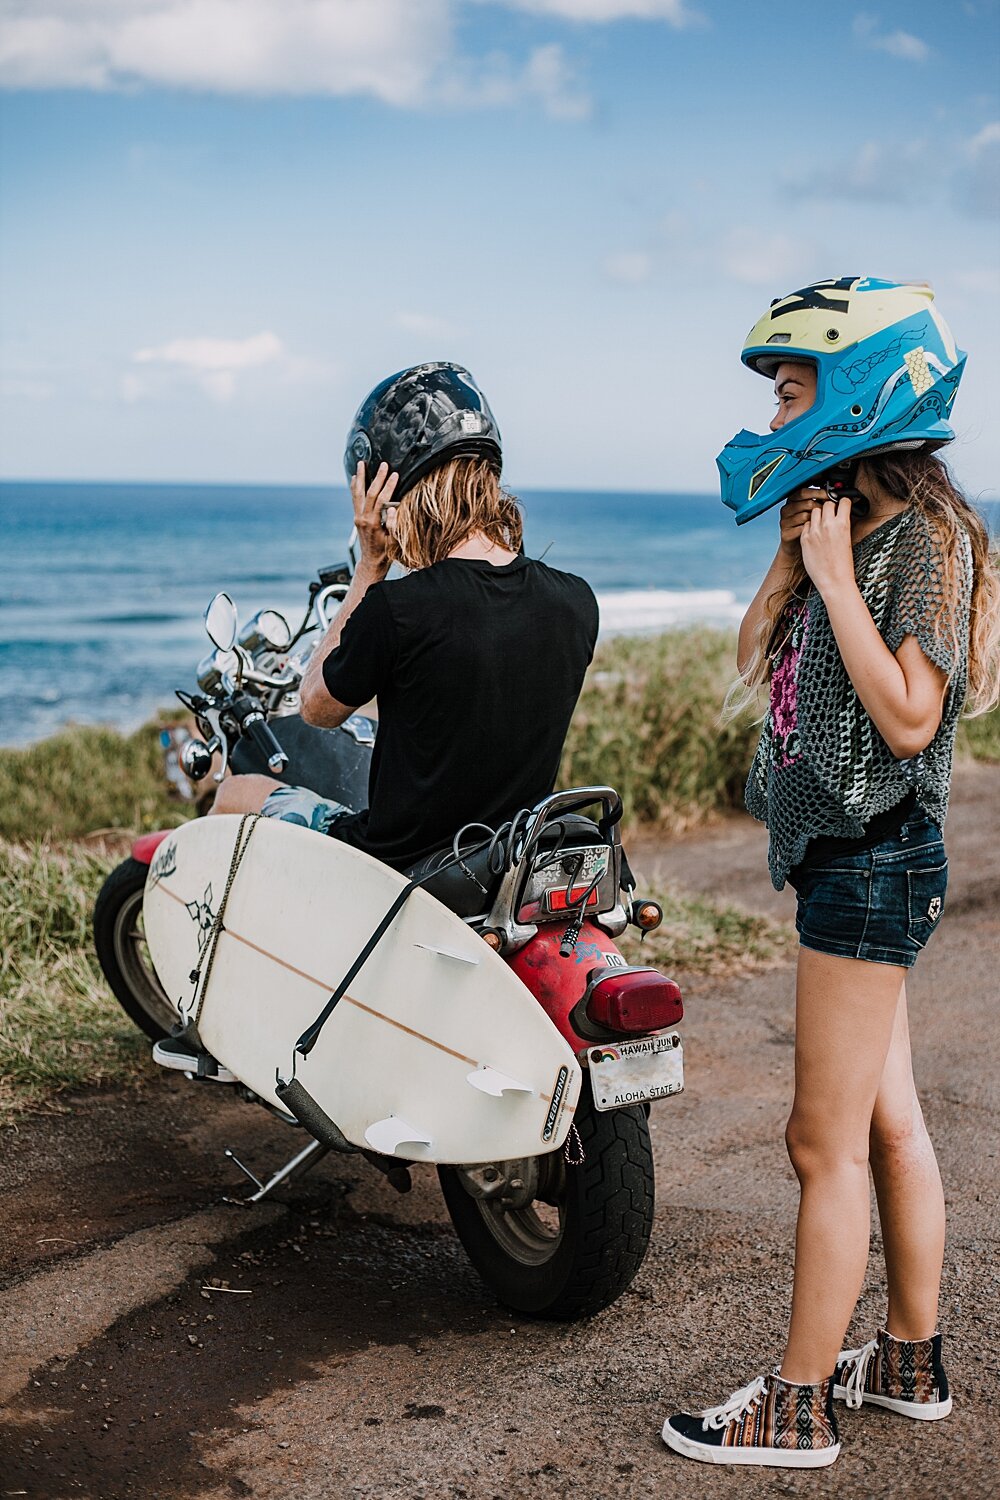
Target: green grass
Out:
[702,936]
[648,723]
[84,780]
[61,1030]
[979,739]
[60,1026]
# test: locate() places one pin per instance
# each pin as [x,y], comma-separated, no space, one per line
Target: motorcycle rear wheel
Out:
[123,954]
[567,1255]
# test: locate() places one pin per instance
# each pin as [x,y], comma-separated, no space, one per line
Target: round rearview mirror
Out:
[268,628]
[220,622]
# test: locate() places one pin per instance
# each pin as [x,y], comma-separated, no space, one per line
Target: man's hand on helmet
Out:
[370,503]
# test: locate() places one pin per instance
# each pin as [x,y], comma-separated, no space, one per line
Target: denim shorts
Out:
[297,804]
[881,904]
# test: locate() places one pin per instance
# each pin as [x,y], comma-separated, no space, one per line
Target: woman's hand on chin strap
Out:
[794,518]
[827,550]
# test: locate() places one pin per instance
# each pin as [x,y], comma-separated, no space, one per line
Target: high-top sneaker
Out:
[770,1421]
[903,1375]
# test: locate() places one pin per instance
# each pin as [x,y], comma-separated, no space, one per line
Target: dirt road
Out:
[347,1348]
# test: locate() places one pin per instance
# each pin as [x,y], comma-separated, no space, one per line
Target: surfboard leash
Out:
[206,958]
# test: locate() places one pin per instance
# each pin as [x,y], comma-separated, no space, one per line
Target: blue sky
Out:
[221,221]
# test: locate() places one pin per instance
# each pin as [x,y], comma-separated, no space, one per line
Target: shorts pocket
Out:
[926,893]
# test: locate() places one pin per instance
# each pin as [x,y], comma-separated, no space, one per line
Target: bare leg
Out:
[844,1014]
[909,1192]
[243,794]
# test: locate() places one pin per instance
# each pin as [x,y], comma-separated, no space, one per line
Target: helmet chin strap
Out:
[840,484]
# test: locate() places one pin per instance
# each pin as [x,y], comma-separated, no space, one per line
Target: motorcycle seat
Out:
[469,892]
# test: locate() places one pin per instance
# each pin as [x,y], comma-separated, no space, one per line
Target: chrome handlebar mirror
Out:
[221,621]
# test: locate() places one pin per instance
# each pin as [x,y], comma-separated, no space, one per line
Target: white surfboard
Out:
[437,1052]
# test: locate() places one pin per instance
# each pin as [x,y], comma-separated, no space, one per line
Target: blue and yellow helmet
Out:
[887,370]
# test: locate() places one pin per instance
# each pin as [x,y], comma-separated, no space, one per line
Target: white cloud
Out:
[215,364]
[977,184]
[759,259]
[426,325]
[388,48]
[878,172]
[675,12]
[496,82]
[988,136]
[629,266]
[402,52]
[901,44]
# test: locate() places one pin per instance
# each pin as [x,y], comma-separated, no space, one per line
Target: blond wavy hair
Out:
[447,506]
[921,479]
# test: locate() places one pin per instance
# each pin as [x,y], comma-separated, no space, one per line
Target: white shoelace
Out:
[740,1401]
[859,1360]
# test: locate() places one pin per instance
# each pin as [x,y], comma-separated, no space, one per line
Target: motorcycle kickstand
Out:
[302,1162]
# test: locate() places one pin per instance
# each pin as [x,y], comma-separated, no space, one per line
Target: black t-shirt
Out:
[477,670]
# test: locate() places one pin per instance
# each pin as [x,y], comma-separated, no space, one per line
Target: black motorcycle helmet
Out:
[419,419]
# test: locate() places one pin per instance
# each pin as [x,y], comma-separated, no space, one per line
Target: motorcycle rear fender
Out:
[145,847]
[559,983]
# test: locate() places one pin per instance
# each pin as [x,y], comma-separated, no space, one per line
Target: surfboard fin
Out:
[389,1134]
[491,1081]
[460,958]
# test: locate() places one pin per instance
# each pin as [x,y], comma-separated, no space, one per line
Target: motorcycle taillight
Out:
[638,1000]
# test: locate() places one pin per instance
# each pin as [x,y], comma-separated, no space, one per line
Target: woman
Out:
[876,622]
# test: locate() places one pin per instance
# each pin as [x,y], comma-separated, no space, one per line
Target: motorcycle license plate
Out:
[631,1072]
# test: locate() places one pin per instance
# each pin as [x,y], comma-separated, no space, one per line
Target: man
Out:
[476,656]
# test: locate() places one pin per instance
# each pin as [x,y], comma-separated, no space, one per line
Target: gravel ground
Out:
[159,1342]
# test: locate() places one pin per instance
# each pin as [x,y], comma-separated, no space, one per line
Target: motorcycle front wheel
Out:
[122,952]
[571,1241]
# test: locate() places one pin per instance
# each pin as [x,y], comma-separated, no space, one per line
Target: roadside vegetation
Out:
[87,780]
[60,1028]
[648,723]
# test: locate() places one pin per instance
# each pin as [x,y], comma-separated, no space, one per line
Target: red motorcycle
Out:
[559,1234]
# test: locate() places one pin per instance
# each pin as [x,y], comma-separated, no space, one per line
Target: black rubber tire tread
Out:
[608,1223]
[123,882]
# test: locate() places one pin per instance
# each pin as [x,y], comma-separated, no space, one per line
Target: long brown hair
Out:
[922,480]
[450,504]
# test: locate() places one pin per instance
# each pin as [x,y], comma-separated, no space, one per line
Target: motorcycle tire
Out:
[122,952]
[604,1208]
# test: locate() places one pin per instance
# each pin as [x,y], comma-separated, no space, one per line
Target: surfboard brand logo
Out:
[164,863]
[555,1108]
[202,913]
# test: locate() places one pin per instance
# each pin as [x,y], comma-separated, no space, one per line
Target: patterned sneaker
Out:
[770,1421]
[902,1375]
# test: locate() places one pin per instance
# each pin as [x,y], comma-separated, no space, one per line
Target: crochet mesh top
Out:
[821,767]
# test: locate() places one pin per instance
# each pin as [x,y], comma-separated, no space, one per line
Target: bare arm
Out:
[903,694]
[316,704]
[794,518]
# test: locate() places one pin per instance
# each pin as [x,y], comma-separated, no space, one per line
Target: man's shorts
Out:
[881,904]
[297,804]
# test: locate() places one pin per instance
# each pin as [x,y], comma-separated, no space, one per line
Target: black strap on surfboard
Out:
[309,1037]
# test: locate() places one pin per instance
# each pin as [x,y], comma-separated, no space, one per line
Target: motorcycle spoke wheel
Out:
[120,940]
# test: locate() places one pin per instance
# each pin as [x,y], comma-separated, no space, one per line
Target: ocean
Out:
[103,586]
